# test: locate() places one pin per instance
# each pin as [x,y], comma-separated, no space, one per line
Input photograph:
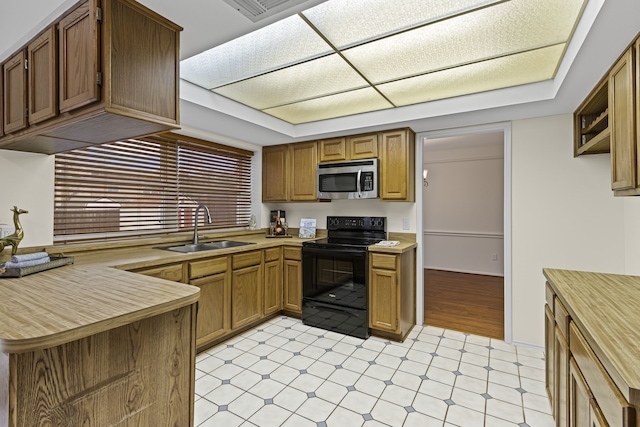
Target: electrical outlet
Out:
[494,257]
[405,223]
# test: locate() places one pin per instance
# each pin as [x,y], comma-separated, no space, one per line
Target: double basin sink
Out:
[209,246]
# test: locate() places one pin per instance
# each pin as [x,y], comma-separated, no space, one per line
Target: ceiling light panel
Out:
[523,68]
[322,76]
[503,29]
[278,45]
[328,107]
[350,22]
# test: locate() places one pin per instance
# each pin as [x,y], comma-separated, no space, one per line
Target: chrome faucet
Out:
[207,219]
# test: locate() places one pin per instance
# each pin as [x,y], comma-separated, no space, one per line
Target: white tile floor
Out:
[284,373]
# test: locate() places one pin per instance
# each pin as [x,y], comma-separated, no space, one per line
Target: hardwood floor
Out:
[471,303]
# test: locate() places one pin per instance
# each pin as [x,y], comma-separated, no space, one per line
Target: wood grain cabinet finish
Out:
[549,340]
[392,294]
[397,169]
[15,93]
[304,161]
[332,150]
[42,70]
[79,57]
[139,374]
[272,281]
[363,146]
[275,180]
[292,280]
[579,397]
[561,376]
[168,272]
[214,320]
[622,119]
[117,78]
[246,288]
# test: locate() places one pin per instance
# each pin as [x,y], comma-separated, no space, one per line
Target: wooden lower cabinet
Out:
[272,281]
[392,294]
[213,308]
[581,391]
[171,272]
[246,288]
[292,280]
[139,374]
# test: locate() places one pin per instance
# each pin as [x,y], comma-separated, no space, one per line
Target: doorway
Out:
[463,216]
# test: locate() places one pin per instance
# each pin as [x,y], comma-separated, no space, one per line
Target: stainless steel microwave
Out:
[356,179]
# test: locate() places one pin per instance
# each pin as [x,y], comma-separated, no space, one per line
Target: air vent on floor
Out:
[257,10]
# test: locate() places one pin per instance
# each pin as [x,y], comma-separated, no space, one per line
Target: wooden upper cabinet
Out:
[15,93]
[622,123]
[42,70]
[106,70]
[397,169]
[274,173]
[79,57]
[348,148]
[304,161]
[332,150]
[363,146]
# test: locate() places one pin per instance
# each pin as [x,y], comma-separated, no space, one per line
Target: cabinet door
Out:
[621,122]
[304,162]
[167,272]
[213,308]
[549,340]
[293,285]
[15,93]
[274,173]
[560,370]
[363,146]
[272,286]
[43,71]
[397,179]
[79,40]
[579,397]
[246,296]
[384,300]
[332,150]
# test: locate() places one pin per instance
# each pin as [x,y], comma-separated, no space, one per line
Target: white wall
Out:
[394,211]
[632,235]
[28,184]
[463,204]
[564,216]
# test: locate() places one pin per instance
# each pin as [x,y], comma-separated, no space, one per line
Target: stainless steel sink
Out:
[209,246]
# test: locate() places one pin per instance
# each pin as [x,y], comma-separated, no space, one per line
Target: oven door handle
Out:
[327,307]
[334,252]
[359,185]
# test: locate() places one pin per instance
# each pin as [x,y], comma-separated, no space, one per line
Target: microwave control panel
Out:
[367,181]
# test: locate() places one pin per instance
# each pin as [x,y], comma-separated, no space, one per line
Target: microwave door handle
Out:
[359,186]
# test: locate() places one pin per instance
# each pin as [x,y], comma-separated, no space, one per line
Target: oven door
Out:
[335,276]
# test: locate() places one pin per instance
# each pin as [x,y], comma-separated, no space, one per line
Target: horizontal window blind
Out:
[149,185]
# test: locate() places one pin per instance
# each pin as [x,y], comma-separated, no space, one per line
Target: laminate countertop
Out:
[97,293]
[606,308]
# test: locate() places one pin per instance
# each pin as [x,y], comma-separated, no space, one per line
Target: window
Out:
[149,185]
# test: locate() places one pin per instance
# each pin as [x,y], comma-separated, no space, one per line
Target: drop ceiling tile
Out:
[278,45]
[328,107]
[523,68]
[349,22]
[510,27]
[322,76]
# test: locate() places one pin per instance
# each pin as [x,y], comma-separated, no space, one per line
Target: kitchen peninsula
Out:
[95,342]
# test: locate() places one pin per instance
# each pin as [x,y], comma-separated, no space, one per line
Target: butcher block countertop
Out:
[606,308]
[97,293]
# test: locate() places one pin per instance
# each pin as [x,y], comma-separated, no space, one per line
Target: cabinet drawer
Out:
[246,259]
[293,253]
[616,410]
[549,294]
[271,254]
[207,267]
[562,317]
[383,261]
[167,272]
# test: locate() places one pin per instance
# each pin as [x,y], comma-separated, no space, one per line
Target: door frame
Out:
[505,127]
